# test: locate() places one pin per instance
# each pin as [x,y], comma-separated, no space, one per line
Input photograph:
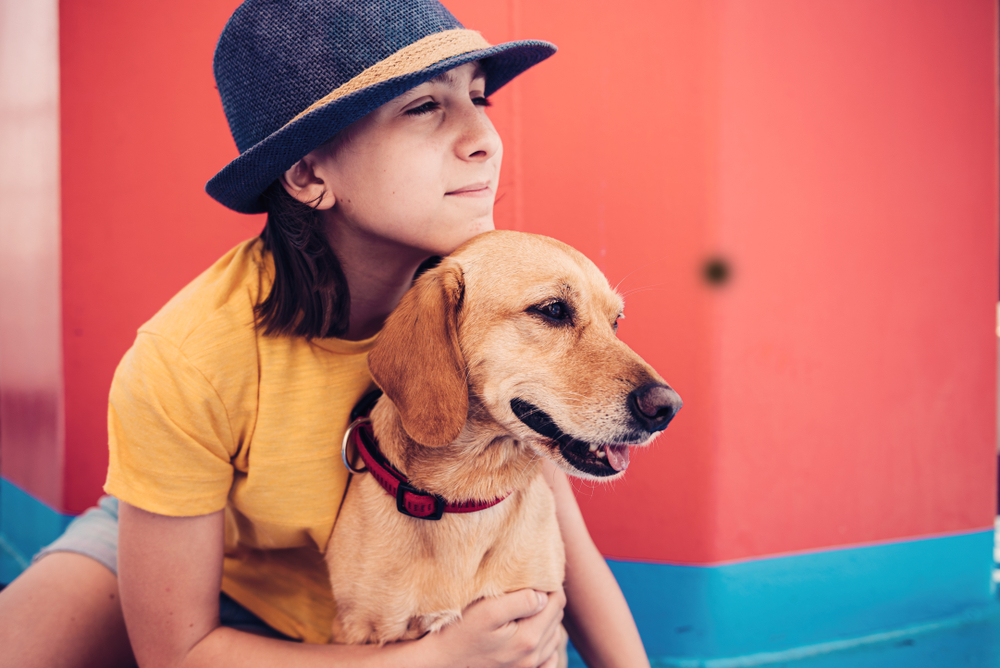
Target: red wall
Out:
[842,157]
[142,130]
[858,183]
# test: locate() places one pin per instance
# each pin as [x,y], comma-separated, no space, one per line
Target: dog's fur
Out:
[473,334]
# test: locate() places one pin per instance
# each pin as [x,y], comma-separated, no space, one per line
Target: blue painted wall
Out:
[856,606]
[766,605]
[26,524]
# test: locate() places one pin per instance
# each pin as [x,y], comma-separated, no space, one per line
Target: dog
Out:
[504,353]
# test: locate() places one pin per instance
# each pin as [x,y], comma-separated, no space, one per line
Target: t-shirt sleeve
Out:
[170,440]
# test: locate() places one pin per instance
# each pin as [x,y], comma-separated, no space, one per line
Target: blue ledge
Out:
[805,609]
[26,525]
[920,604]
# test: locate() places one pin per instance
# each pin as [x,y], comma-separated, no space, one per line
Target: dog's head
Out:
[523,328]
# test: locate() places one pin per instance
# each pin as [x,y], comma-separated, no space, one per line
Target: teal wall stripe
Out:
[773,604]
[836,607]
[26,524]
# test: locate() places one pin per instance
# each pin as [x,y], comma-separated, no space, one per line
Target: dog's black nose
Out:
[654,405]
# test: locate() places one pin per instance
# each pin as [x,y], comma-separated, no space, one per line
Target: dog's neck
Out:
[477,465]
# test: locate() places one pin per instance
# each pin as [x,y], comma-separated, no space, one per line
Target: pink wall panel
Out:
[858,199]
[31,391]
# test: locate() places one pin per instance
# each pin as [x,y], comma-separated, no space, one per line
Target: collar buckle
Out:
[410,501]
[436,502]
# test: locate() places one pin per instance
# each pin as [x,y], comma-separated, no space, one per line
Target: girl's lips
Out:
[474,190]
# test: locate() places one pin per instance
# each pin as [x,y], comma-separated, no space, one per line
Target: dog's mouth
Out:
[605,459]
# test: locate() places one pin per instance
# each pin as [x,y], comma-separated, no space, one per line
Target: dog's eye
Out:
[557,311]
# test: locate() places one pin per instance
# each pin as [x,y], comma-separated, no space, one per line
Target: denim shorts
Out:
[95,534]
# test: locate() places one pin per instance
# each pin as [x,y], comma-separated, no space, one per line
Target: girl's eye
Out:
[481,101]
[425,108]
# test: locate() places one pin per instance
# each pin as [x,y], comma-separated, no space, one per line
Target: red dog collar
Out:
[409,500]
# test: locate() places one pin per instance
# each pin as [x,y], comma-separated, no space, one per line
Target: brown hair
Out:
[309,297]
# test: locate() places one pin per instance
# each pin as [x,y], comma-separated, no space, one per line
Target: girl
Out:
[226,414]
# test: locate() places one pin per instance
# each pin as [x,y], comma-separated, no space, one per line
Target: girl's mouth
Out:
[472,190]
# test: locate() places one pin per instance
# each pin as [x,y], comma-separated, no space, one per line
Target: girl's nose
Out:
[478,139]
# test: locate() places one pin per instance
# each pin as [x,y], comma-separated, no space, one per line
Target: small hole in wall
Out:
[716,271]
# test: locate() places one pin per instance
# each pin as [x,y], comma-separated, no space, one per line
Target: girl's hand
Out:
[517,630]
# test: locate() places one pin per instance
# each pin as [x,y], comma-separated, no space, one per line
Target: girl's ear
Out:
[304,182]
[417,361]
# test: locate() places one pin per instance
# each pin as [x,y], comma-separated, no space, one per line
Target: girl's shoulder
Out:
[217,307]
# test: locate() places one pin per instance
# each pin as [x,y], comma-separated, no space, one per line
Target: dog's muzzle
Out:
[651,406]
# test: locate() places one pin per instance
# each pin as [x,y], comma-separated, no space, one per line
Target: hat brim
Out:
[240,184]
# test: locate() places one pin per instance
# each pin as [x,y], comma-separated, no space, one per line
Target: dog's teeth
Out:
[601,453]
[593,447]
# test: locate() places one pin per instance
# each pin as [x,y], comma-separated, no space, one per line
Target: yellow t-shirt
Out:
[208,413]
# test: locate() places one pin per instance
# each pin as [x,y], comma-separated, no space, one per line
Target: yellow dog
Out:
[503,354]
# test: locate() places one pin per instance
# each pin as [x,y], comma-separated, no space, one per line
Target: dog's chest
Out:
[395,577]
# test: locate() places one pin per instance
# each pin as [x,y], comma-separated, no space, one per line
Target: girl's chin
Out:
[480,226]
[448,246]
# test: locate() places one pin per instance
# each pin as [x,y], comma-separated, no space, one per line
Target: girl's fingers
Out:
[516,625]
[552,613]
[550,647]
[544,627]
[510,607]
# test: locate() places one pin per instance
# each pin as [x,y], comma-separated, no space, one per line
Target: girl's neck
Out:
[378,273]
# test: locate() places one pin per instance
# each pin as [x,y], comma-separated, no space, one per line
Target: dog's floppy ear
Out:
[417,360]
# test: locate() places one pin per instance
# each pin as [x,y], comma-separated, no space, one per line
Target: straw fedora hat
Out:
[293,73]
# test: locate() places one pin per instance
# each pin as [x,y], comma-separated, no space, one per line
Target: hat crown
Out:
[277,57]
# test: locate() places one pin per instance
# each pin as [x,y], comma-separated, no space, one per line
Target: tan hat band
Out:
[412,58]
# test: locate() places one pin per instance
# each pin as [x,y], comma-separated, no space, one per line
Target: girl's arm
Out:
[170,572]
[598,619]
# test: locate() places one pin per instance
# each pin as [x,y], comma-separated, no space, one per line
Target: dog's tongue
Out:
[617,456]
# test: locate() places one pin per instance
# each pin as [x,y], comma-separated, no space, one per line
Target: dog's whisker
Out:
[646,288]
[639,268]
[582,486]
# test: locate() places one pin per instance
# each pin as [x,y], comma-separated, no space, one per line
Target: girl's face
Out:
[419,172]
